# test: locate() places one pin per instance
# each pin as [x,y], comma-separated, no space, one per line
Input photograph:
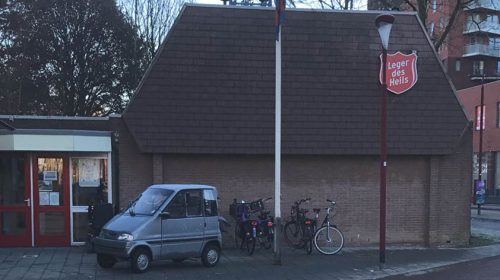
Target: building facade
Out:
[471,99]
[204,113]
[471,49]
[51,170]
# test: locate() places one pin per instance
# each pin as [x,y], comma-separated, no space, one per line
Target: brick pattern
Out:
[136,168]
[211,89]
[351,181]
[157,168]
[449,196]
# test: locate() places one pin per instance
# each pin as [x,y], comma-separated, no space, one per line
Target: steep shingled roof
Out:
[211,87]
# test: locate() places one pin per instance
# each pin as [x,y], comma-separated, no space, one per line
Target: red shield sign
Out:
[401,72]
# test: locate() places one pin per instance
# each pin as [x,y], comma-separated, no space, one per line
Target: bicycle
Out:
[299,231]
[328,239]
[248,231]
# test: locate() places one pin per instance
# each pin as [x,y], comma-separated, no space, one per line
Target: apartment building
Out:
[471,51]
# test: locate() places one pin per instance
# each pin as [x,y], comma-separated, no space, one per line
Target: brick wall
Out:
[449,196]
[427,197]
[351,181]
[136,168]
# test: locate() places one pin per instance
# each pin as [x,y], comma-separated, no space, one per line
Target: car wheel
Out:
[210,256]
[140,260]
[105,261]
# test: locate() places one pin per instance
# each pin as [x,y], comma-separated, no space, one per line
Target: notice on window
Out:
[54,198]
[50,175]
[88,172]
[44,198]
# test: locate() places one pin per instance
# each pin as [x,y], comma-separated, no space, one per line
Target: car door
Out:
[183,230]
[212,229]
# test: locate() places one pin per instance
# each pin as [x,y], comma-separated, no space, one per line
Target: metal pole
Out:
[383,158]
[480,157]
[277,156]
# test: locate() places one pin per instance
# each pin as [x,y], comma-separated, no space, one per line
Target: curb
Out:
[440,265]
[485,219]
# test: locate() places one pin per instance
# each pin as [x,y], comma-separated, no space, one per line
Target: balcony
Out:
[492,5]
[481,49]
[484,26]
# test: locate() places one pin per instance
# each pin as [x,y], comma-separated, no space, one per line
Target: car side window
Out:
[210,203]
[193,202]
[177,206]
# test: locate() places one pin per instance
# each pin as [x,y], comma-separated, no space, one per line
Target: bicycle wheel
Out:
[238,240]
[328,240]
[293,233]
[250,242]
[309,246]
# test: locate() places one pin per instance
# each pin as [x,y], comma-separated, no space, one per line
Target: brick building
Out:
[472,47]
[204,113]
[471,99]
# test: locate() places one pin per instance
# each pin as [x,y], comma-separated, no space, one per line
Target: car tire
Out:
[210,255]
[140,260]
[105,261]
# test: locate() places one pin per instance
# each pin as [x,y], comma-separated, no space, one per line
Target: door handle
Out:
[28,201]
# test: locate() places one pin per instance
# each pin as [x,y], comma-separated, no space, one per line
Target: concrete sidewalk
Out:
[74,263]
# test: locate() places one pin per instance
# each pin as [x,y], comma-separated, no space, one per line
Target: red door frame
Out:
[61,240]
[20,240]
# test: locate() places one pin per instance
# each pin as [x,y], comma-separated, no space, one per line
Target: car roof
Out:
[178,187]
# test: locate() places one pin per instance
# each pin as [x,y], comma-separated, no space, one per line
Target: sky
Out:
[361,4]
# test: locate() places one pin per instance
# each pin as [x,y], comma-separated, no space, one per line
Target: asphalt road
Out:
[485,269]
[486,227]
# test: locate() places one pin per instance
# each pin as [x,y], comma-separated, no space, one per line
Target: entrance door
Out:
[15,211]
[51,201]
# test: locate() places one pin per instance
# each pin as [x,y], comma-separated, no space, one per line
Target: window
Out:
[431,29]
[210,203]
[478,67]
[90,181]
[473,40]
[458,65]
[441,23]
[193,202]
[186,203]
[478,117]
[434,5]
[177,207]
[494,43]
[149,201]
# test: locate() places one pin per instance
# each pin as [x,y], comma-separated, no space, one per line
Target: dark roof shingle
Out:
[211,88]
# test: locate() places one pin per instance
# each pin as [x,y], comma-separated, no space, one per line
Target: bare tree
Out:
[71,57]
[448,10]
[329,4]
[153,19]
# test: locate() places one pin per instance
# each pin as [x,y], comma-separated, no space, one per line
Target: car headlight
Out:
[125,236]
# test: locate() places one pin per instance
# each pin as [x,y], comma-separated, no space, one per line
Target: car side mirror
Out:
[164,215]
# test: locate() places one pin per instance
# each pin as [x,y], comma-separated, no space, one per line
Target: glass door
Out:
[51,201]
[15,201]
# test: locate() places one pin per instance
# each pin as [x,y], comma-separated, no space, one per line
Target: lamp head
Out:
[384,25]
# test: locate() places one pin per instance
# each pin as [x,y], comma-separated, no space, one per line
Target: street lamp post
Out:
[384,25]
[480,156]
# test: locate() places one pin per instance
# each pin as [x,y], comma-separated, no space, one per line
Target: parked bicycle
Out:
[248,231]
[328,239]
[299,230]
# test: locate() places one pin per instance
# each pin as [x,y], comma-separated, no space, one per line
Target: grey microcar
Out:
[164,222]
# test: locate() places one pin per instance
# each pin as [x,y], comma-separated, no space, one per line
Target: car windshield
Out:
[149,201]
